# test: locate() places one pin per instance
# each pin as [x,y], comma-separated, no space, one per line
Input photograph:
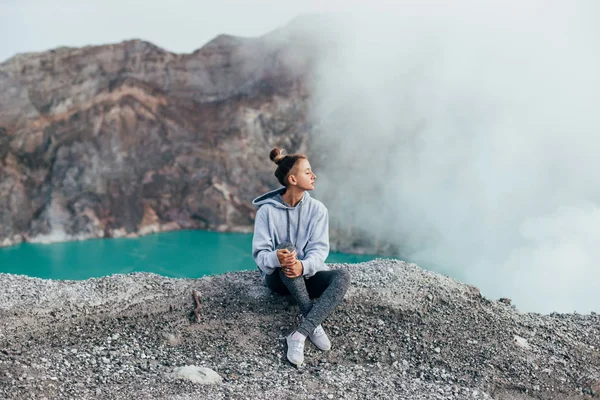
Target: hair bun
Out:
[276,155]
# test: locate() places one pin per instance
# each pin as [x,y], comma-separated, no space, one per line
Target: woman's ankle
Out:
[298,336]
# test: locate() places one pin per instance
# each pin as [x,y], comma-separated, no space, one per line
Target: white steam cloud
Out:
[468,134]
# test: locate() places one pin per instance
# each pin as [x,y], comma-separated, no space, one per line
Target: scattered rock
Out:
[202,375]
[521,342]
[506,301]
[387,342]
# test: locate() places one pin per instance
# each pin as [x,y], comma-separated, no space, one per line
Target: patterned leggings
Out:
[329,286]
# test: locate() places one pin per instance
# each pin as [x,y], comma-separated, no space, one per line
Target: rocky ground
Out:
[402,332]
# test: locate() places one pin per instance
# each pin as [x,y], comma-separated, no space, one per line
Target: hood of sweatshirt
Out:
[274,197]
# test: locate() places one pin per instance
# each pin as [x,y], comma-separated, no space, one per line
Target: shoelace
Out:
[297,346]
[318,331]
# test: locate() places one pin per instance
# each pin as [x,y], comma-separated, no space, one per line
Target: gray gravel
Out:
[402,332]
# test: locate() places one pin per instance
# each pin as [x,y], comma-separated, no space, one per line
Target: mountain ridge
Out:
[128,138]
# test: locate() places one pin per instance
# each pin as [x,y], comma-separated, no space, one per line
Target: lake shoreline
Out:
[401,332]
[177,254]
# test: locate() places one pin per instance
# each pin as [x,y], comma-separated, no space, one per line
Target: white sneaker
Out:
[295,352]
[320,339]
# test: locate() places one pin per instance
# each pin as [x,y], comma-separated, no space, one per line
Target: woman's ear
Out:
[292,180]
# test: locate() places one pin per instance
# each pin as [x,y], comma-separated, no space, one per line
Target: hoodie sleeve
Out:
[317,248]
[263,250]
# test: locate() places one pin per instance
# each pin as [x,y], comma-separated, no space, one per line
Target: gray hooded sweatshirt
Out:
[306,226]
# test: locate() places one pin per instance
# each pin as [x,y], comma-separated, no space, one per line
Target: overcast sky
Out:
[176,25]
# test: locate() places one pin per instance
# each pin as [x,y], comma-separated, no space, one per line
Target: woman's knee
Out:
[343,276]
[299,280]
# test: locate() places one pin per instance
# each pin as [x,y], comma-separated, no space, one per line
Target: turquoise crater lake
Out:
[180,254]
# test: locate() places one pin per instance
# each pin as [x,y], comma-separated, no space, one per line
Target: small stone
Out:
[202,375]
[171,339]
[521,342]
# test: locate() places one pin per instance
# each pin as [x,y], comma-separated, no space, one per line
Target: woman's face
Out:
[303,177]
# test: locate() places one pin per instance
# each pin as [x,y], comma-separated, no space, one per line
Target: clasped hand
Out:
[292,267]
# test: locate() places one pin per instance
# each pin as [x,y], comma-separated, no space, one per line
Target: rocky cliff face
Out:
[128,139]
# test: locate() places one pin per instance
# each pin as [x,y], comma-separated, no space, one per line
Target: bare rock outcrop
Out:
[127,139]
